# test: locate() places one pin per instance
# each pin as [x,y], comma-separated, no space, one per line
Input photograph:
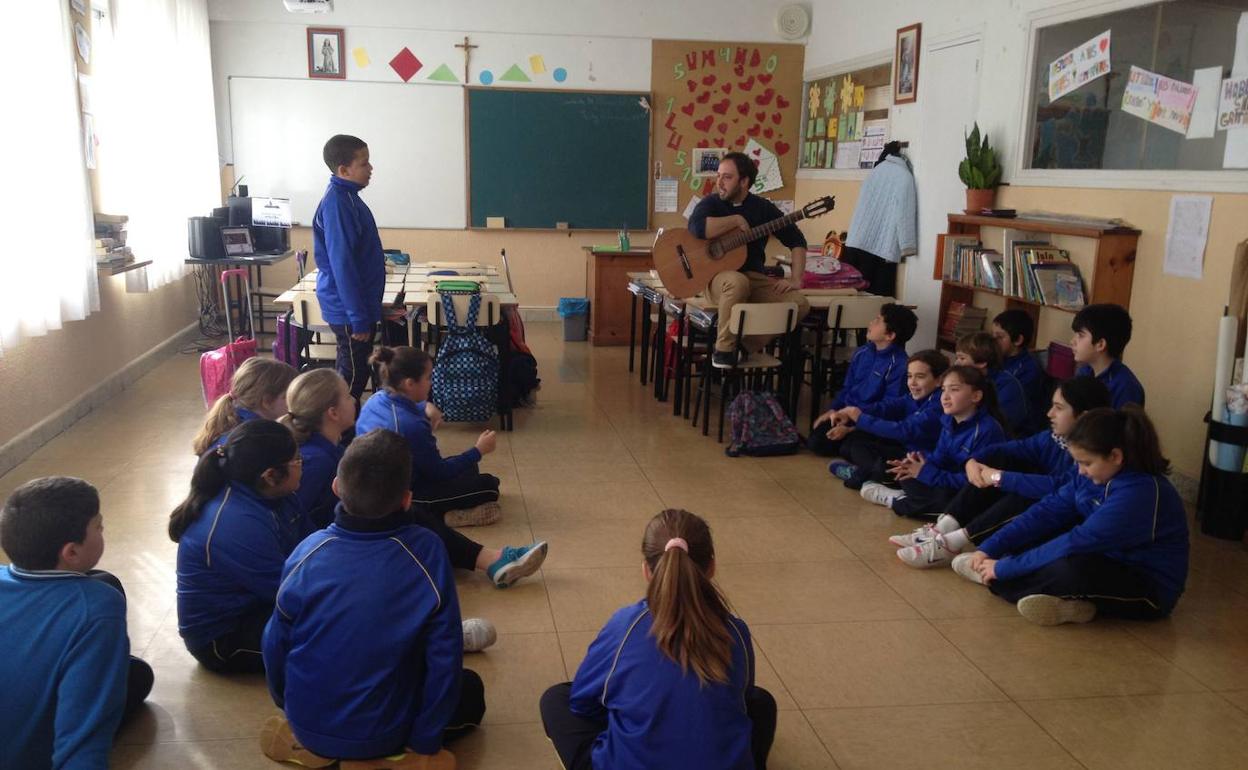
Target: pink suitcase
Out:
[217,367]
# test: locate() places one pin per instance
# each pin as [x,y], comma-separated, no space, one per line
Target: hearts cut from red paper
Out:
[781,102]
[740,141]
[704,124]
[754,130]
[755,58]
[693,85]
[723,128]
[776,118]
[721,107]
[1104,43]
[726,88]
[760,116]
[708,81]
[703,143]
[688,108]
[747,84]
[739,70]
[767,132]
[765,79]
[782,148]
[704,97]
[765,97]
[743,108]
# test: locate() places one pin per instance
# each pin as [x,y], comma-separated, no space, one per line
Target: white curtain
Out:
[47,262]
[157,126]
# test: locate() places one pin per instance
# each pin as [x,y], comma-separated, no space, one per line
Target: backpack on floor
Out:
[759,426]
[465,374]
[289,340]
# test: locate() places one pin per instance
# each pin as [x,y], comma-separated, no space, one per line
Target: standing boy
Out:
[67,672]
[1101,334]
[351,268]
[364,651]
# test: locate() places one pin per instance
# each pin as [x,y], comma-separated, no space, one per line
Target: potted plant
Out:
[980,172]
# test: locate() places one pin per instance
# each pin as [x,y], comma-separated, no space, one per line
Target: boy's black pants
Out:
[984,511]
[467,490]
[352,358]
[1117,589]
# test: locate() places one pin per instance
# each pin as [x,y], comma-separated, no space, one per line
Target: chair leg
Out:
[708,373]
[645,339]
[725,392]
[632,329]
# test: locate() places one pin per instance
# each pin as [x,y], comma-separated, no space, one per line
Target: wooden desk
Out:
[606,277]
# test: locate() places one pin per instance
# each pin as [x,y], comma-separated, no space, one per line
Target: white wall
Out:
[603,44]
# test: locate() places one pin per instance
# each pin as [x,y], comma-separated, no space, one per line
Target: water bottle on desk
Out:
[624,238]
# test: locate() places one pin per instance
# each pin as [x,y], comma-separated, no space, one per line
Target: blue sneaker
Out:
[842,470]
[517,562]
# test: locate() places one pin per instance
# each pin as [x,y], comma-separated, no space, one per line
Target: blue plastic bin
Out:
[575,314]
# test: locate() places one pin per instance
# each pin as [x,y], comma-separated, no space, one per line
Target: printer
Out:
[266,220]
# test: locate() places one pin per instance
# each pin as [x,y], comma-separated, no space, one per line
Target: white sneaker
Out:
[932,553]
[1045,610]
[962,565]
[917,537]
[479,633]
[874,492]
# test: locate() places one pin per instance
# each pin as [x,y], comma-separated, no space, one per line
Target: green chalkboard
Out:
[537,158]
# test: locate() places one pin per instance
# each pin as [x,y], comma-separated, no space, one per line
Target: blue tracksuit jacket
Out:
[1043,452]
[315,495]
[1124,388]
[351,268]
[1013,400]
[946,465]
[1026,369]
[914,424]
[873,375]
[407,418]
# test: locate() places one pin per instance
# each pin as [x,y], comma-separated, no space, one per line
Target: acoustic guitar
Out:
[687,264]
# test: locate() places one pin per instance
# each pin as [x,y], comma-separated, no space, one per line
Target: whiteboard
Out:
[415,136]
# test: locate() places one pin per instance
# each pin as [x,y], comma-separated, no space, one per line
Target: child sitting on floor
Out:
[257,390]
[1013,331]
[970,423]
[1101,334]
[1112,542]
[980,351]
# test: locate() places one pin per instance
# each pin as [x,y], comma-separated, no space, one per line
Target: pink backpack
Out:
[217,367]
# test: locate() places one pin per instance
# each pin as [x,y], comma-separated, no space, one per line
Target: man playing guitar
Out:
[734,207]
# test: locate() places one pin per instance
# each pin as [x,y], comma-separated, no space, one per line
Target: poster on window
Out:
[1158,99]
[1079,66]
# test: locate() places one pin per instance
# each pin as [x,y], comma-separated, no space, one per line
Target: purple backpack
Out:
[759,426]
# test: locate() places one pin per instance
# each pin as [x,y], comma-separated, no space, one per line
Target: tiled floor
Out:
[874,665]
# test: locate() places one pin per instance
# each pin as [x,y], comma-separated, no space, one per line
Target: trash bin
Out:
[1222,502]
[575,314]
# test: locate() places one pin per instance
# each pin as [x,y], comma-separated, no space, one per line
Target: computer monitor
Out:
[260,214]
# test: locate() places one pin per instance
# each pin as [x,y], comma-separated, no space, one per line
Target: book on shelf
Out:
[1010,240]
[1069,290]
[956,249]
[961,319]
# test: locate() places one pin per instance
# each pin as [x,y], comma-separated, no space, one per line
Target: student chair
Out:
[844,314]
[266,294]
[306,314]
[749,319]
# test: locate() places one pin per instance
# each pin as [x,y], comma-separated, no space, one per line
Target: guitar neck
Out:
[730,242]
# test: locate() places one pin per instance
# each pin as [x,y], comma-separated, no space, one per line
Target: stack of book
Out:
[1045,275]
[110,241]
[968,262]
[960,320]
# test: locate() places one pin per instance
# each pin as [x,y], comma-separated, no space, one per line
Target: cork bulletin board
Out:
[721,94]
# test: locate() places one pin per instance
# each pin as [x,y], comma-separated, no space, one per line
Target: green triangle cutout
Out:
[516,75]
[444,75]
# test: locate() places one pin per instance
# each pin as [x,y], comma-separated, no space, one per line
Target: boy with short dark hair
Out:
[876,371]
[980,350]
[1102,332]
[1014,332]
[351,267]
[68,678]
[364,651]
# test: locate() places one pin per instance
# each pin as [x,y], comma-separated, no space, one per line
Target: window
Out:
[1087,128]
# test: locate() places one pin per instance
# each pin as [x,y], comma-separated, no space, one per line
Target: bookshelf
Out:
[1105,257]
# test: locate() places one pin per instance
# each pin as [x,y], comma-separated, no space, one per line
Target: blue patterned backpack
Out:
[465,374]
[760,427]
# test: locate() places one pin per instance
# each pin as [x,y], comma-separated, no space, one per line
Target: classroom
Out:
[379,343]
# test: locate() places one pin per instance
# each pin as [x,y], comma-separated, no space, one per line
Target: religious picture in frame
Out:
[906,65]
[326,53]
[706,161]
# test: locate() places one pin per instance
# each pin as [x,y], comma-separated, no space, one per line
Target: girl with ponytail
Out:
[1113,541]
[257,389]
[669,681]
[971,422]
[234,533]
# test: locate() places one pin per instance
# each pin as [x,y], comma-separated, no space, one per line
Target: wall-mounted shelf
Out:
[124,268]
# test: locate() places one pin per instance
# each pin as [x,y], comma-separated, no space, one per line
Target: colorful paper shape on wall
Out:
[537,64]
[486,77]
[1079,66]
[361,57]
[443,74]
[1159,99]
[405,64]
[768,168]
[515,75]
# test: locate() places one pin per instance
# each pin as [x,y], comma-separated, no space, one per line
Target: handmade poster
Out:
[693,204]
[1236,153]
[666,190]
[1159,99]
[1079,66]
[847,154]
[1187,234]
[768,168]
[1233,103]
[874,136]
[1205,112]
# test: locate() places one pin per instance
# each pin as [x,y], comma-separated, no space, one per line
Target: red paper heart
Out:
[782,148]
[776,118]
[739,70]
[704,124]
[781,102]
[765,97]
[743,108]
[765,79]
[753,130]
[704,97]
[703,143]
[760,116]
[767,132]
[706,188]
[726,88]
[740,141]
[721,107]
[709,80]
[723,128]
[688,109]
[747,84]
[1104,43]
[755,58]
[692,85]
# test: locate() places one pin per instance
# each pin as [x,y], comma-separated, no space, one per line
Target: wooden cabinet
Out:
[1107,269]
[607,289]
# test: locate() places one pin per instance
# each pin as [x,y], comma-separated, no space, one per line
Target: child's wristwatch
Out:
[995,478]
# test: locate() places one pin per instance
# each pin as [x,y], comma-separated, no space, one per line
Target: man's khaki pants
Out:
[729,288]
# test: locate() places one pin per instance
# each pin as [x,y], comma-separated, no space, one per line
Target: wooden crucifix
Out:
[467,52]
